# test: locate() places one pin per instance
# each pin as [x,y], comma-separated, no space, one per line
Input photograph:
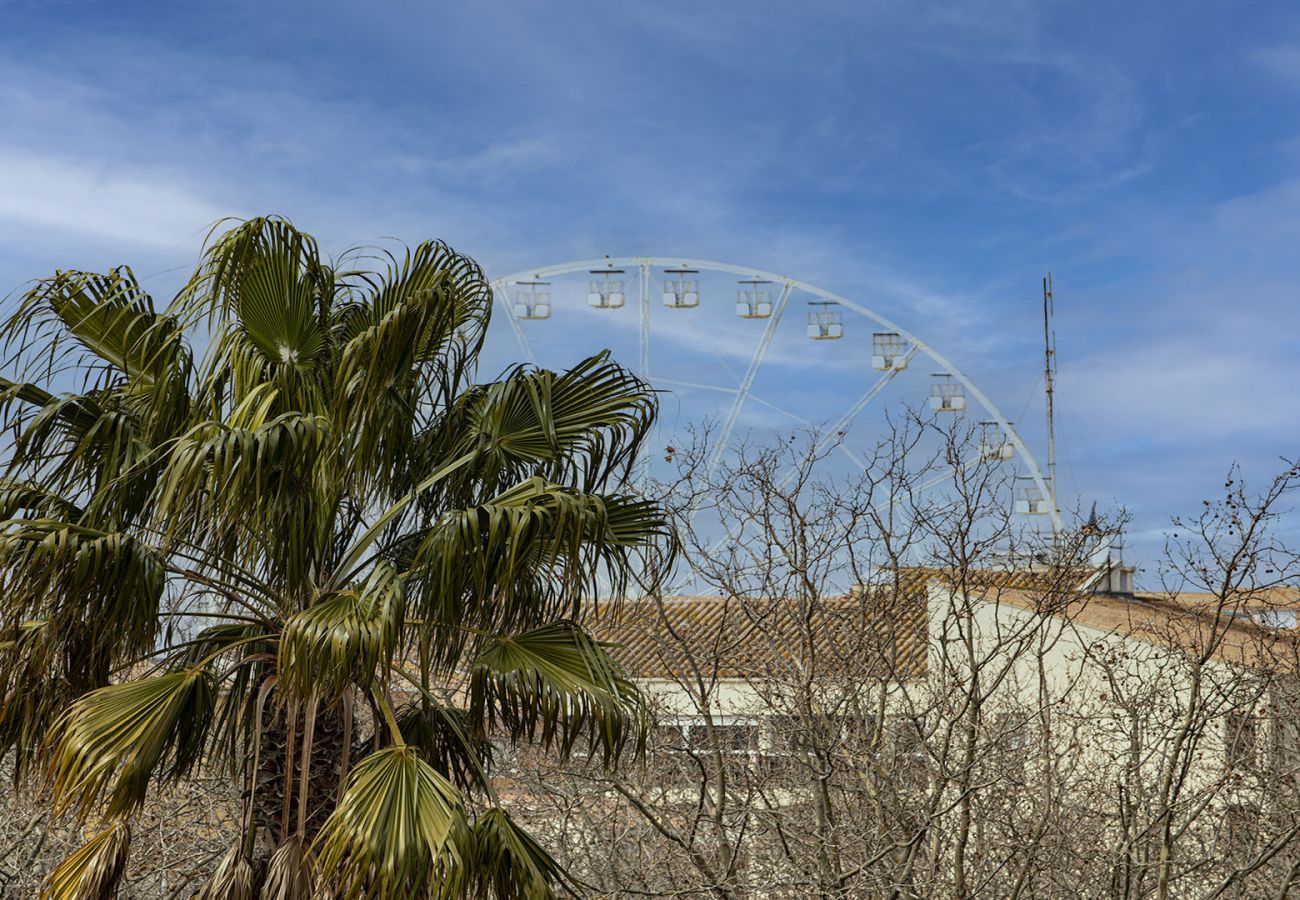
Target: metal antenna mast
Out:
[1049,375]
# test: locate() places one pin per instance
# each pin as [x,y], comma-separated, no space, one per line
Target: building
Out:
[933,706]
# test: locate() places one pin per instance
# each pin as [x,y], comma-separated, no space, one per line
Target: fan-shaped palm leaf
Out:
[510,864]
[588,421]
[247,649]
[340,642]
[112,316]
[529,551]
[447,739]
[72,574]
[264,285]
[35,686]
[232,879]
[558,682]
[114,739]
[93,871]
[291,873]
[20,496]
[399,831]
[247,487]
[223,470]
[88,445]
[249,257]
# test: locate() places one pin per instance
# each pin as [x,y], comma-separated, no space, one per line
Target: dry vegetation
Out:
[1035,756]
[1027,754]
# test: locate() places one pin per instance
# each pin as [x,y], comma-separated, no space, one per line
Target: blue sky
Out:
[931,159]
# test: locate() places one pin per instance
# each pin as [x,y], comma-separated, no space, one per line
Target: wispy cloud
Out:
[104,201]
[930,160]
[1281,60]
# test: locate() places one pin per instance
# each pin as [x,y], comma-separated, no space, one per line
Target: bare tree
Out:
[883,685]
[893,689]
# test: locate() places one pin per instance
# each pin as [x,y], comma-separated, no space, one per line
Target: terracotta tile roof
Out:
[1053,582]
[1185,620]
[1287,598]
[882,630]
[875,633]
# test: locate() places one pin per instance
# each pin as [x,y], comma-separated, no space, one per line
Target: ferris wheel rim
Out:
[645,263]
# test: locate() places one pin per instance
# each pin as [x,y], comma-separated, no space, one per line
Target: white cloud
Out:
[1180,390]
[504,159]
[103,201]
[1265,220]
[1282,61]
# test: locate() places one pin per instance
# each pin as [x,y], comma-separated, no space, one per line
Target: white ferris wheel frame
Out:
[501,287]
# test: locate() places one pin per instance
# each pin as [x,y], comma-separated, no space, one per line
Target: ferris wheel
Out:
[632,293]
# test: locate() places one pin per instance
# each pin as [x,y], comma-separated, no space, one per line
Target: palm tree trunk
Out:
[317,794]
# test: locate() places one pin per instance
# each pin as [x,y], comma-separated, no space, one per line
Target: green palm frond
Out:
[532,550]
[72,574]
[21,496]
[247,487]
[87,445]
[266,289]
[276,306]
[250,257]
[247,649]
[399,831]
[32,394]
[558,683]
[112,317]
[510,864]
[134,366]
[238,638]
[377,388]
[115,739]
[433,265]
[533,521]
[224,470]
[35,686]
[587,422]
[405,351]
[94,870]
[634,523]
[341,642]
[446,738]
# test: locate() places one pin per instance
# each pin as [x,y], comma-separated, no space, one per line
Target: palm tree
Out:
[278,532]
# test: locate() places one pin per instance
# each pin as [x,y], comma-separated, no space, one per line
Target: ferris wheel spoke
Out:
[841,426]
[781,409]
[724,436]
[502,294]
[536,305]
[846,420]
[645,321]
[853,457]
[700,387]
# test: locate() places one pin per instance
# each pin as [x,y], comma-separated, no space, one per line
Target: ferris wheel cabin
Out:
[531,303]
[753,301]
[888,351]
[825,321]
[946,393]
[681,291]
[994,443]
[605,292]
[1029,500]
